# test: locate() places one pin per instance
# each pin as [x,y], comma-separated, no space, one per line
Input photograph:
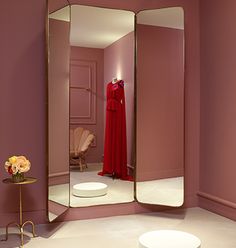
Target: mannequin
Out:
[115,146]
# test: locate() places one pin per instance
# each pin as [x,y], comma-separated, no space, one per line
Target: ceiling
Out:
[99,27]
[167,17]
[61,14]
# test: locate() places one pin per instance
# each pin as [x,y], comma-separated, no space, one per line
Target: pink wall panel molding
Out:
[87,73]
[218,205]
[83,91]
[217,199]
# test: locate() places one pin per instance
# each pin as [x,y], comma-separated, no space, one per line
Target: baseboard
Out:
[108,210]
[59,178]
[155,175]
[58,174]
[217,205]
[95,164]
[38,217]
[130,166]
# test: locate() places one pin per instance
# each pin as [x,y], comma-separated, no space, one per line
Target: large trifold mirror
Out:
[92,108]
[160,107]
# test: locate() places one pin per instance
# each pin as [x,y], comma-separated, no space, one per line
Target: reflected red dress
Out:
[115,146]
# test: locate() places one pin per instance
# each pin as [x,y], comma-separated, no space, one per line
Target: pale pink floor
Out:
[213,230]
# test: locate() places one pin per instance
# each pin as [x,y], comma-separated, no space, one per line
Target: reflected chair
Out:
[80,141]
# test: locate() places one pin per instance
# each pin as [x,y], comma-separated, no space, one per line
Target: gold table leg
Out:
[21,229]
[16,224]
[21,225]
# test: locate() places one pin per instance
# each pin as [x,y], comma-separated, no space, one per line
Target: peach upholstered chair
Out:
[80,141]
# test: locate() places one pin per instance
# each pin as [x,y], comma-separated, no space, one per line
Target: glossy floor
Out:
[119,191]
[213,230]
[163,191]
[169,191]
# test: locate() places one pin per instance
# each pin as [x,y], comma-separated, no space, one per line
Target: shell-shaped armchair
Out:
[80,141]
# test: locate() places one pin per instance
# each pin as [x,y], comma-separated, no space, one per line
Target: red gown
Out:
[115,145]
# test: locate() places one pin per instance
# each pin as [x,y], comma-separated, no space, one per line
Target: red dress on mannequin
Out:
[115,147]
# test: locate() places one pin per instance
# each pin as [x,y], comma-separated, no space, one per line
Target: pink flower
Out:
[17,164]
[22,164]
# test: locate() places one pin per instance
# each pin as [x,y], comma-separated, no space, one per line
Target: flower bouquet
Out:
[16,166]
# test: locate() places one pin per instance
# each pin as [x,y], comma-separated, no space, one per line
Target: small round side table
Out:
[27,180]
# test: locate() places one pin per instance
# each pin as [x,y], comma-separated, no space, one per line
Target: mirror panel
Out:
[160,107]
[102,48]
[58,112]
[82,65]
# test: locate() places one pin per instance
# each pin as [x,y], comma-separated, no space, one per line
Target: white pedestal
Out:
[90,189]
[168,239]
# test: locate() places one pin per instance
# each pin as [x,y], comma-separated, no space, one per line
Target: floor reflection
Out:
[119,191]
[168,191]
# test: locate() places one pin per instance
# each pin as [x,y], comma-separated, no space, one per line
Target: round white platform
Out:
[90,189]
[168,239]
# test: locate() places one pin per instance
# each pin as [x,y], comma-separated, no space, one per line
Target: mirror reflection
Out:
[160,107]
[58,111]
[101,106]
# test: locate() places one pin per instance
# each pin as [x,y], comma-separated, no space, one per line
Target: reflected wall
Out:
[58,110]
[160,106]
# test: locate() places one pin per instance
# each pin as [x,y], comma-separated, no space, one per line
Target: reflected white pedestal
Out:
[90,189]
[168,239]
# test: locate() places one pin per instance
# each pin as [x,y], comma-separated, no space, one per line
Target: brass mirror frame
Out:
[134,156]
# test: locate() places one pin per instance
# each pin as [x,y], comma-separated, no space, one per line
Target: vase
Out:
[17,178]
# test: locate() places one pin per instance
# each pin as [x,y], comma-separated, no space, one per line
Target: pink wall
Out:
[129,5]
[218,112]
[160,102]
[119,62]
[58,94]
[23,70]
[22,103]
[54,5]
[97,55]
